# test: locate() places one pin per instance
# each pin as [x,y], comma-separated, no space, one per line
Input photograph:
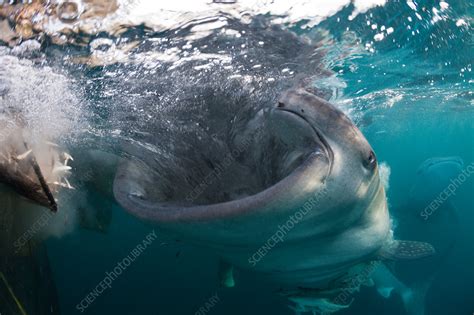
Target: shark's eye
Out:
[371,160]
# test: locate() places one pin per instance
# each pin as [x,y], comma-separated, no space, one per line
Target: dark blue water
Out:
[409,90]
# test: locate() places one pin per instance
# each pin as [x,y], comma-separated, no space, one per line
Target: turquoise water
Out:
[410,92]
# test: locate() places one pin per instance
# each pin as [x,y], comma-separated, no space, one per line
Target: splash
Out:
[384,173]
[61,19]
[44,98]
[38,110]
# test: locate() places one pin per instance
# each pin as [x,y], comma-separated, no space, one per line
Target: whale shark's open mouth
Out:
[299,118]
[246,154]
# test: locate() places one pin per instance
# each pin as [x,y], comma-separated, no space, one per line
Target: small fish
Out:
[61,169]
[24,155]
[68,185]
[67,158]
[52,144]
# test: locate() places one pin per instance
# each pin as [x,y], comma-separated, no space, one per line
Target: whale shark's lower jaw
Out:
[317,260]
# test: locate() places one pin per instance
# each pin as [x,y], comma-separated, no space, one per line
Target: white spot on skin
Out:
[412,5]
[378,37]
[460,23]
[443,5]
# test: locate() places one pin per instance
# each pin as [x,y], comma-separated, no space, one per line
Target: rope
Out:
[20,307]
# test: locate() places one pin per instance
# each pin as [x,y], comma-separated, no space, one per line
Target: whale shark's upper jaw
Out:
[454,162]
[277,155]
[321,146]
[134,183]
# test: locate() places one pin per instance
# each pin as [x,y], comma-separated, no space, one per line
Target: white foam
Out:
[161,15]
[44,104]
[45,99]
[384,173]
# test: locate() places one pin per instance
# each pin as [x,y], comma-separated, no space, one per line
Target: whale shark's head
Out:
[268,166]
[347,168]
[297,170]
[352,160]
[432,177]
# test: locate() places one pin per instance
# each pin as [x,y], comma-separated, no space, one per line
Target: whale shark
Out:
[298,199]
[416,221]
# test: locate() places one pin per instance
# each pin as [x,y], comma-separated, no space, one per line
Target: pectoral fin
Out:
[385,291]
[226,274]
[406,250]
